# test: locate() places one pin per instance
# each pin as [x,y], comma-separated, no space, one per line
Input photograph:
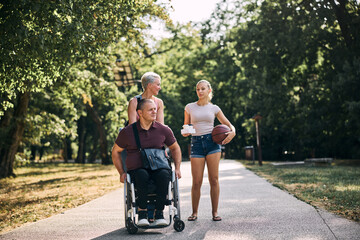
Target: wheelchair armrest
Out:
[128,178]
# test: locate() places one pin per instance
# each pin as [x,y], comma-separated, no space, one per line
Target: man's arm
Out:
[176,155]
[117,161]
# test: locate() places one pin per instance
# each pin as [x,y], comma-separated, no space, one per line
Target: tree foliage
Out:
[287,61]
[41,41]
[296,63]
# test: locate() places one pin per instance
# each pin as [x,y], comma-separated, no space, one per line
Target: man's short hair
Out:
[142,102]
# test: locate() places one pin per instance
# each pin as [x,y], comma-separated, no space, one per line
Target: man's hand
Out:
[123,177]
[176,155]
[178,173]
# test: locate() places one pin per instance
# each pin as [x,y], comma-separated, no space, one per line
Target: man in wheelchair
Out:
[152,134]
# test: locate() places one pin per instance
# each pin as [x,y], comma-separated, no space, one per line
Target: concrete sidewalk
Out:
[251,208]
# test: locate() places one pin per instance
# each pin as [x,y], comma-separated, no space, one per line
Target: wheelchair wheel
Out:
[127,199]
[130,226]
[176,198]
[179,225]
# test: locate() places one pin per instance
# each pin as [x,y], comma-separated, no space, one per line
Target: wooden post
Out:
[258,141]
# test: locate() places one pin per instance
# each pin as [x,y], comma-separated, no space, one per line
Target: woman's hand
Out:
[186,122]
[230,136]
[223,120]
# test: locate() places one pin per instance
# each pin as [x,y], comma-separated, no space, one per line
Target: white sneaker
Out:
[143,222]
[159,219]
[160,222]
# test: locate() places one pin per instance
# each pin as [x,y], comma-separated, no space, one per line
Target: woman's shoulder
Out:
[214,107]
[191,104]
[136,98]
[132,101]
[158,100]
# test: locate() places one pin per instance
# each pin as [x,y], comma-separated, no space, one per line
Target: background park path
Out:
[251,209]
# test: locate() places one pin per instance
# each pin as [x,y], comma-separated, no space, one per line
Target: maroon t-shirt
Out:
[157,136]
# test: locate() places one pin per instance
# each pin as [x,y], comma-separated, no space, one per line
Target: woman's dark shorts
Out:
[203,145]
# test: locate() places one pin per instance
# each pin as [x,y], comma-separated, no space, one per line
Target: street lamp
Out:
[257,117]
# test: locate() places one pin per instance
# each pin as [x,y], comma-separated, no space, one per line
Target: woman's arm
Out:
[132,110]
[186,121]
[223,120]
[160,111]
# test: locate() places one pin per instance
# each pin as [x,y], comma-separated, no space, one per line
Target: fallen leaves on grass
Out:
[42,190]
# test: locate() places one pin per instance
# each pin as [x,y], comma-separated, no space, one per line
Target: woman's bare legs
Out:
[212,163]
[197,171]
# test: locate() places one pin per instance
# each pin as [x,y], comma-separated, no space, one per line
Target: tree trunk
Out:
[33,149]
[81,135]
[67,150]
[94,149]
[344,21]
[102,135]
[11,139]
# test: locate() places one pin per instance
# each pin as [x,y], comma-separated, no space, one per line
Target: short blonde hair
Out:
[209,86]
[148,77]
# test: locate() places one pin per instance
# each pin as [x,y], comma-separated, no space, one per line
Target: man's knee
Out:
[141,177]
[164,174]
[162,177]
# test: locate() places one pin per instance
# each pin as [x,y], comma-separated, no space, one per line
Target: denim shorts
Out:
[203,145]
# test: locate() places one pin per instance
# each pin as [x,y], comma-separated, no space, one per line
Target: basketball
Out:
[218,133]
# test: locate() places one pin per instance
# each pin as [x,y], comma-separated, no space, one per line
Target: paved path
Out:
[251,209]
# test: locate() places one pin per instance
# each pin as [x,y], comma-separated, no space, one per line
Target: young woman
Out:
[201,114]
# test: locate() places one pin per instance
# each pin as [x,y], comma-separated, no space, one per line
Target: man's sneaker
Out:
[142,219]
[159,219]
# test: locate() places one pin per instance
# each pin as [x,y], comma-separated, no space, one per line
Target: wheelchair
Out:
[172,203]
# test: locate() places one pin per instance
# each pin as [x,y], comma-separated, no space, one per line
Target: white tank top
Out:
[202,117]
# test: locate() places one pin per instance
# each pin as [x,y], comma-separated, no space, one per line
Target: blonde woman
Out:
[151,83]
[201,114]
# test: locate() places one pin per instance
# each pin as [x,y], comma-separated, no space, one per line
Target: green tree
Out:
[40,40]
[294,62]
[298,61]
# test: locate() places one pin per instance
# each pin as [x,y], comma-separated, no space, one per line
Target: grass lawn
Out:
[334,188]
[46,189]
